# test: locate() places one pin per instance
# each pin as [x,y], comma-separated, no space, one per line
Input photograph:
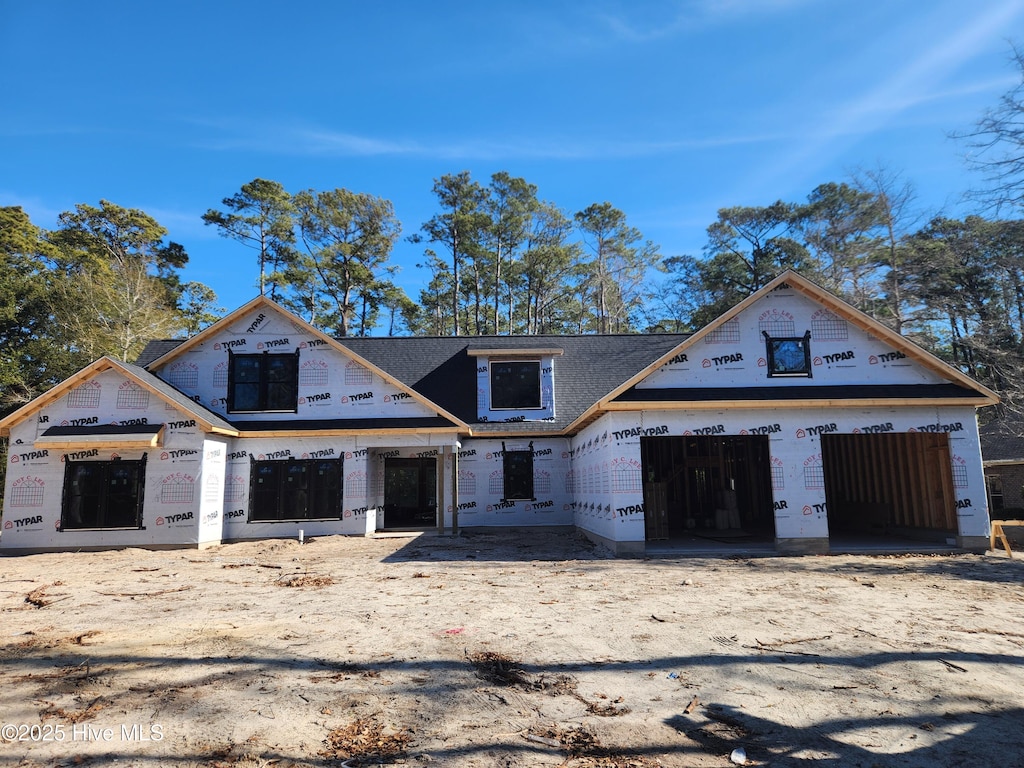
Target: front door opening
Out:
[709,486]
[890,483]
[410,493]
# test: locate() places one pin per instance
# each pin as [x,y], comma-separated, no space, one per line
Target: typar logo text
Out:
[24,522]
[718,362]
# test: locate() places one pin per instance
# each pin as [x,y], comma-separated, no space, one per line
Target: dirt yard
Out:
[494,650]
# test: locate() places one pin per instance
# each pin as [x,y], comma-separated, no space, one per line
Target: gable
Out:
[735,354]
[849,354]
[105,406]
[332,382]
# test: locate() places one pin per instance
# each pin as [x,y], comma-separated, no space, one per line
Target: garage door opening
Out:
[707,486]
[898,484]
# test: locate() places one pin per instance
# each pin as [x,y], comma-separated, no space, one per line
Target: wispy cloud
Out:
[329,142]
[921,80]
[687,16]
[259,136]
[907,100]
[42,213]
[305,141]
[181,224]
[924,74]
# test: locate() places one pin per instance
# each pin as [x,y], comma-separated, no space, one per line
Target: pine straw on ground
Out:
[365,737]
[499,669]
[305,580]
[584,750]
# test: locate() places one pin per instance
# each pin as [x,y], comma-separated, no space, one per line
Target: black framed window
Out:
[789,356]
[263,382]
[103,494]
[295,489]
[515,384]
[517,471]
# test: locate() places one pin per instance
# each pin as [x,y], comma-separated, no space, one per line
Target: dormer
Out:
[515,384]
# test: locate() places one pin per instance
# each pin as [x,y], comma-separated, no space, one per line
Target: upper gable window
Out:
[263,382]
[515,384]
[789,356]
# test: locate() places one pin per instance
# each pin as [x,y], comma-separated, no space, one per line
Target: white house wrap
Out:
[792,417]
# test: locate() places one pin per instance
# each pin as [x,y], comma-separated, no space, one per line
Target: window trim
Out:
[282,464]
[106,465]
[264,382]
[507,470]
[516,360]
[770,351]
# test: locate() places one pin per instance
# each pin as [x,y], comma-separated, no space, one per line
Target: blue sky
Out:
[668,110]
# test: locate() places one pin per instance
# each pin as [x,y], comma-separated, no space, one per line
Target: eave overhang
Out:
[106,436]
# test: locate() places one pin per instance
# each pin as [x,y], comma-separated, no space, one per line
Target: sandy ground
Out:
[494,650]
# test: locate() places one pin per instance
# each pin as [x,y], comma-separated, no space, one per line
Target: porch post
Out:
[440,487]
[455,488]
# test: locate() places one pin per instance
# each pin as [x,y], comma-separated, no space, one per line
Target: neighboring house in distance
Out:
[1002,450]
[792,417]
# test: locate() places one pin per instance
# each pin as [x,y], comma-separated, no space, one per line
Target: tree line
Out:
[499,259]
[107,279]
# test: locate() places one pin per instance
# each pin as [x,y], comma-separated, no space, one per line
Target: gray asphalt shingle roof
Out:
[589,368]
[157,348]
[1002,440]
[440,369]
